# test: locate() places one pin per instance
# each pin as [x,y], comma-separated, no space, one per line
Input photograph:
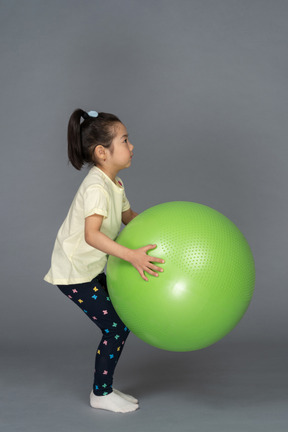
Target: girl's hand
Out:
[137,257]
[143,262]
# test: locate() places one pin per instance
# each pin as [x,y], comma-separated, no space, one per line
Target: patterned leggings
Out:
[93,298]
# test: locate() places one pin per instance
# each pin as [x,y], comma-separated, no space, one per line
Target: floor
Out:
[231,387]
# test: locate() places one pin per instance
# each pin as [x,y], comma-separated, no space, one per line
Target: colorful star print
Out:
[98,307]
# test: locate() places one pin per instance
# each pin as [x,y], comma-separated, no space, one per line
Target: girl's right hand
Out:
[143,262]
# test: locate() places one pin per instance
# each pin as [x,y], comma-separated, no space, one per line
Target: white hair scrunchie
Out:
[93,113]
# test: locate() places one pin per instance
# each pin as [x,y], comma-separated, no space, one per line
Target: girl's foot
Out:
[129,398]
[112,402]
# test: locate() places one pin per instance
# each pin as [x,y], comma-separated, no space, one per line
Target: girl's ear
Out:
[100,153]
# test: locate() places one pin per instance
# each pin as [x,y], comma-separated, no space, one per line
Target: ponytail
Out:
[75,154]
[83,137]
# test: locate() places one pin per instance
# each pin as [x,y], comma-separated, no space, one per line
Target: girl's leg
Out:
[114,335]
[93,299]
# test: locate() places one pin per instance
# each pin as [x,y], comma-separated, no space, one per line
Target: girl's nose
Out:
[131,146]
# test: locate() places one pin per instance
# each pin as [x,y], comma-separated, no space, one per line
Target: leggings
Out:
[93,298]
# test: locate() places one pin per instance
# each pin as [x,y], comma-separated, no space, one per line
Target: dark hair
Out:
[84,137]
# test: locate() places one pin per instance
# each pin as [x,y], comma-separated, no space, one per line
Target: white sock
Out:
[112,402]
[129,398]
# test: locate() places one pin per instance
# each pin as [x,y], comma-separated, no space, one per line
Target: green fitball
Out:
[207,283]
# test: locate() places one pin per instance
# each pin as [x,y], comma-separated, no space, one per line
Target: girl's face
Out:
[121,149]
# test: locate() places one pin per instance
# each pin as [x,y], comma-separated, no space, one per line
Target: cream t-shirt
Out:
[73,260]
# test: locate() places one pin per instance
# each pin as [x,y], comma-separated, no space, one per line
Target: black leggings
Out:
[93,298]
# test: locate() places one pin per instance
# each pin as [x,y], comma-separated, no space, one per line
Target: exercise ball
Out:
[207,282]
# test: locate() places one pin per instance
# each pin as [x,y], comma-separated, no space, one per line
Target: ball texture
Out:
[207,283]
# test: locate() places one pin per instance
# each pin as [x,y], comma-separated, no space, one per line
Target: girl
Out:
[87,236]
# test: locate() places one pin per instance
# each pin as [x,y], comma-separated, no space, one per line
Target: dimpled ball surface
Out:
[207,283]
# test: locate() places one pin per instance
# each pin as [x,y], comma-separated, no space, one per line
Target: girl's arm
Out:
[137,257]
[128,215]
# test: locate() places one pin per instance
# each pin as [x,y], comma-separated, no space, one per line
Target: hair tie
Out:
[93,113]
[86,115]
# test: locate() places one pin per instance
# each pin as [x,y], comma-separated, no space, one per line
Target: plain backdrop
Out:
[201,87]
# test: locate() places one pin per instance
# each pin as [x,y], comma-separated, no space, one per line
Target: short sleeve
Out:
[125,203]
[96,201]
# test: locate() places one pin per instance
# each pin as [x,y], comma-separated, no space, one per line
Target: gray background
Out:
[202,88]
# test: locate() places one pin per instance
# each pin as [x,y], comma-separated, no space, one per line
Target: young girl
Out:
[87,236]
